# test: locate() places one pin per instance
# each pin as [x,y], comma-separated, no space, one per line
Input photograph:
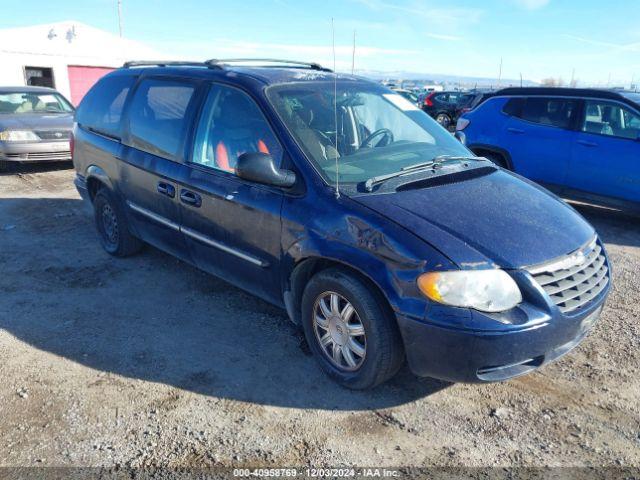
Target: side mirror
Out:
[260,168]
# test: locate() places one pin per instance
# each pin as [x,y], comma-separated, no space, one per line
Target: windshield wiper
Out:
[371,182]
[436,162]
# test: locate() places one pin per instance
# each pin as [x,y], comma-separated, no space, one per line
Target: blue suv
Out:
[583,144]
[342,202]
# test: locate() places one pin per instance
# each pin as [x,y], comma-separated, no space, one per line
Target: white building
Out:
[69,56]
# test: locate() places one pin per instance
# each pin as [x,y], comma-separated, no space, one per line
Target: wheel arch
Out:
[96,177]
[307,267]
[482,149]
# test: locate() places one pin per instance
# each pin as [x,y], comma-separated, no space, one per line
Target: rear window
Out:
[555,112]
[157,116]
[101,108]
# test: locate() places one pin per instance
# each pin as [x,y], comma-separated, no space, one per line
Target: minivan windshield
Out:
[371,132]
[33,102]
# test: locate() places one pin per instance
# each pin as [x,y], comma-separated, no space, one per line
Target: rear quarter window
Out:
[513,107]
[101,108]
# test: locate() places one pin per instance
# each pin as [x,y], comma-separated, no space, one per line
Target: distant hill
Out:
[442,78]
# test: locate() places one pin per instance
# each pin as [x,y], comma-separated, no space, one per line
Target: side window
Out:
[513,107]
[101,108]
[609,118]
[555,112]
[232,124]
[157,116]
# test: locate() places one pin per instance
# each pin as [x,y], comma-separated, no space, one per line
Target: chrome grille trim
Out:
[53,134]
[63,155]
[573,281]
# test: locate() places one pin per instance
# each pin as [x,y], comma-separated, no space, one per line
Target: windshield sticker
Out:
[400,102]
[48,99]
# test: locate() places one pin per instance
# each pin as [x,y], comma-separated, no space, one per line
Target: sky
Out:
[595,41]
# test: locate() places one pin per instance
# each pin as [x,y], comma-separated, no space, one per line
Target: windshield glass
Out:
[31,102]
[378,131]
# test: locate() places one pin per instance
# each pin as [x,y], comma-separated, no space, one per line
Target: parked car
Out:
[581,143]
[471,100]
[408,94]
[35,124]
[377,231]
[444,106]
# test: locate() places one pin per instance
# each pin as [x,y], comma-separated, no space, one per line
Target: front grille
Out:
[53,134]
[574,281]
[63,155]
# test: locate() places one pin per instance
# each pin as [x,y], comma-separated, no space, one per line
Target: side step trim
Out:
[196,235]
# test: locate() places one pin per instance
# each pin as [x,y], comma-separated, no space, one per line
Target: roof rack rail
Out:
[221,62]
[166,63]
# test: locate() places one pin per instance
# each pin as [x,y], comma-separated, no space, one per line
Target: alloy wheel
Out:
[339,331]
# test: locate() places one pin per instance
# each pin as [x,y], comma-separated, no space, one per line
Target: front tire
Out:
[112,225]
[350,330]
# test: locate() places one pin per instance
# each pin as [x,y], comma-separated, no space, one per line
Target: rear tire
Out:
[444,120]
[369,345]
[112,225]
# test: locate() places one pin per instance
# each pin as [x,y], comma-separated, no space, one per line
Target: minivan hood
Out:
[497,219]
[36,121]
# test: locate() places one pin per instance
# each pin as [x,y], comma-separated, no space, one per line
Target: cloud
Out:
[532,4]
[449,17]
[440,36]
[618,47]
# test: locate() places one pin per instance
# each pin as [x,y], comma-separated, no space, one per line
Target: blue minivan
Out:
[342,202]
[583,144]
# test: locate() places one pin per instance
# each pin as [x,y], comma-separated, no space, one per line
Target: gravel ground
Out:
[146,361]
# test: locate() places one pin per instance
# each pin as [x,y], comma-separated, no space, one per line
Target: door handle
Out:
[190,198]
[515,130]
[166,189]
[587,143]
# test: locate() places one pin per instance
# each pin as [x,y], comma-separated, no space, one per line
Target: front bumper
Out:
[54,151]
[466,355]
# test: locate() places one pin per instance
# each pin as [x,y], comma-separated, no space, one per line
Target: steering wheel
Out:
[384,132]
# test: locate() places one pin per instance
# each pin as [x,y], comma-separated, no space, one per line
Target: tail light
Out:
[462,124]
[427,101]
[72,143]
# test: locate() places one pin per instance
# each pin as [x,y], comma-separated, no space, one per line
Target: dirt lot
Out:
[148,362]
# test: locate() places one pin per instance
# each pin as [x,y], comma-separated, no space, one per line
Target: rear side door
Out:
[158,120]
[539,136]
[232,226]
[606,154]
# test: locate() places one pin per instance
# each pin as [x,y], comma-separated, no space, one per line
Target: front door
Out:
[539,138]
[232,226]
[152,150]
[606,153]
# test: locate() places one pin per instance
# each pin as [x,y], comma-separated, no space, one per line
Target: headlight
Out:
[484,290]
[18,136]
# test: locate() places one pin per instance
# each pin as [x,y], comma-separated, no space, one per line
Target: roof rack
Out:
[166,63]
[220,63]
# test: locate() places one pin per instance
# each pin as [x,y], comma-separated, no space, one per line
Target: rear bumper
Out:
[464,355]
[55,151]
[81,185]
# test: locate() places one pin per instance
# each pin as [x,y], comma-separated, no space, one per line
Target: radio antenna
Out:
[353,54]
[335,104]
